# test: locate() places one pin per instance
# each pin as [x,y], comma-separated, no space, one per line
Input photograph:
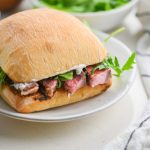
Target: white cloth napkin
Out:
[137,137]
[143,60]
[143,45]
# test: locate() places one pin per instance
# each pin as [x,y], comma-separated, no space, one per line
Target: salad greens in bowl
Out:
[100,14]
[80,6]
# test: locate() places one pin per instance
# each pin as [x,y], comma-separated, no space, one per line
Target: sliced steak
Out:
[98,77]
[26,88]
[77,82]
[50,86]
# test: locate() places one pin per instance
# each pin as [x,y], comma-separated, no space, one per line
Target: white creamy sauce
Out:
[34,80]
[20,86]
[78,69]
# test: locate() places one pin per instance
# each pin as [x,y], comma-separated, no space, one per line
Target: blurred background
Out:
[101,14]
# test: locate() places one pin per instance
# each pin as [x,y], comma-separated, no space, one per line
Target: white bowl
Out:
[104,20]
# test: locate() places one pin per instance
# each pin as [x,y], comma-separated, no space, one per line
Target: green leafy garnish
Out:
[35,7]
[114,33]
[2,77]
[99,67]
[66,76]
[129,62]
[113,63]
[63,77]
[59,83]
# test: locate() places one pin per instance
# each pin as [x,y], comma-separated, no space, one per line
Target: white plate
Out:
[74,111]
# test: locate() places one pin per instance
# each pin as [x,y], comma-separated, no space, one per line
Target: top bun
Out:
[40,43]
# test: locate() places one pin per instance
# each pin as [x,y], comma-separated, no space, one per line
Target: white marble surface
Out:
[89,133]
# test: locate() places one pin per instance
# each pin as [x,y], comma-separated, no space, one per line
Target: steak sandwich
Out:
[47,59]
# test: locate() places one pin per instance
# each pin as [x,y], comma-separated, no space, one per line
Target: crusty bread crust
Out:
[40,43]
[28,104]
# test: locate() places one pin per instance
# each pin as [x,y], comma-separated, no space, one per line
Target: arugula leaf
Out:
[114,33]
[2,77]
[63,77]
[114,64]
[118,71]
[59,83]
[129,62]
[110,61]
[99,67]
[66,76]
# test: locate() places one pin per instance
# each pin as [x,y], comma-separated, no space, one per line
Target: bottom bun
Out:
[28,104]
